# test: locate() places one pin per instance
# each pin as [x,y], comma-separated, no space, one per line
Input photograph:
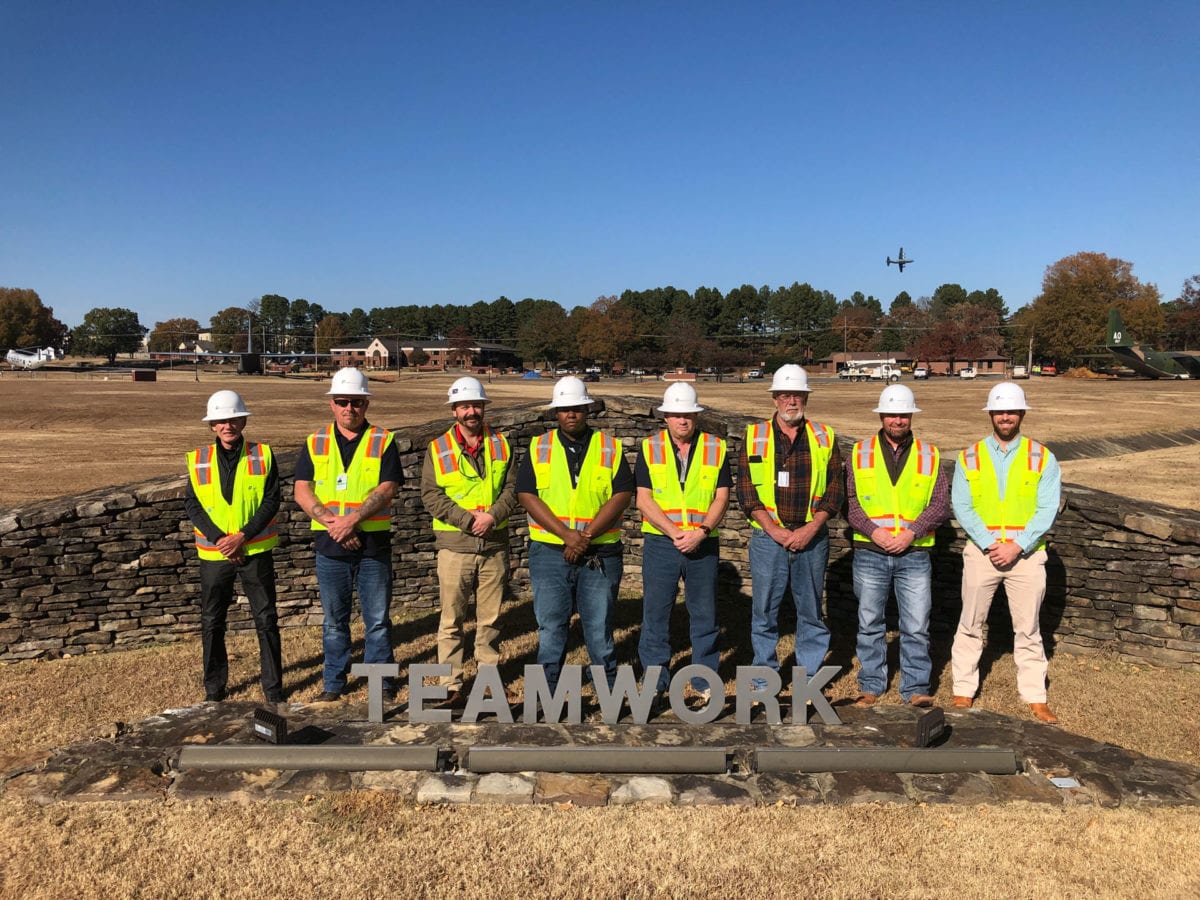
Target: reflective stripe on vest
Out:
[249,486]
[894,506]
[761,446]
[685,505]
[575,506]
[361,478]
[461,482]
[1005,517]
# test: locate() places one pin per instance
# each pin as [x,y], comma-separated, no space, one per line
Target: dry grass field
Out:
[99,433]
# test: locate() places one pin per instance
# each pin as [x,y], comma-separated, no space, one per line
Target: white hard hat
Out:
[680,398]
[225,405]
[464,389]
[570,391]
[790,378]
[1006,396]
[348,382]
[897,400]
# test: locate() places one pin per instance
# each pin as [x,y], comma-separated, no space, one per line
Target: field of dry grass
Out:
[373,845]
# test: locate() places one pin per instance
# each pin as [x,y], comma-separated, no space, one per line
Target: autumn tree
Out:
[106,332]
[607,331]
[25,322]
[546,335]
[1183,317]
[330,332]
[229,329]
[1069,317]
[461,346]
[169,335]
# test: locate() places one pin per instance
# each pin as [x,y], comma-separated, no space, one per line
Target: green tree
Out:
[228,328]
[1182,317]
[273,316]
[461,346]
[1069,317]
[546,335]
[26,323]
[902,299]
[106,332]
[358,324]
[167,336]
[330,332]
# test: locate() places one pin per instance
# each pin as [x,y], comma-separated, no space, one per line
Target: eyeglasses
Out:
[343,402]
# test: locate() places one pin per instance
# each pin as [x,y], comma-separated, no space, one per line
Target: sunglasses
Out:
[343,402]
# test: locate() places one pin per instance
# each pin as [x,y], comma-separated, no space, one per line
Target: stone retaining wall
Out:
[114,568]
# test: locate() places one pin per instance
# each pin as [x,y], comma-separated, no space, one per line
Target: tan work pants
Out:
[461,576]
[1025,585]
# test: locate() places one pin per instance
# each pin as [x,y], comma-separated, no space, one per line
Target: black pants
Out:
[216,594]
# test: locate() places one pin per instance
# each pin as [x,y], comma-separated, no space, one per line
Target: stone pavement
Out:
[140,762]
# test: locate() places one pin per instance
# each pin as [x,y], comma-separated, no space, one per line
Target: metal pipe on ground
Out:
[886,759]
[335,758]
[605,760]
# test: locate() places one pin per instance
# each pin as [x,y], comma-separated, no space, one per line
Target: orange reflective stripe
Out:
[1037,457]
[657,451]
[864,454]
[499,446]
[320,442]
[608,450]
[820,433]
[758,439]
[444,455]
[970,457]
[204,465]
[712,449]
[542,448]
[924,457]
[375,442]
[255,464]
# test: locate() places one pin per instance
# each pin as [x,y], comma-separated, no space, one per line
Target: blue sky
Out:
[177,158]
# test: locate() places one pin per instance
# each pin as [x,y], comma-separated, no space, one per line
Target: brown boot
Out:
[963,702]
[865,701]
[1041,711]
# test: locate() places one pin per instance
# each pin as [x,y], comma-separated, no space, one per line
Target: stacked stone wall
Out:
[115,568]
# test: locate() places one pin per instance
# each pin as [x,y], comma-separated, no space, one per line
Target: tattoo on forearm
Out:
[376,500]
[318,510]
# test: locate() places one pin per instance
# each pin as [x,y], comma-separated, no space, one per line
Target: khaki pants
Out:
[461,575]
[1025,585]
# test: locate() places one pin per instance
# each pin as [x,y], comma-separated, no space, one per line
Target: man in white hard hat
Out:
[683,485]
[467,485]
[897,496]
[232,499]
[1005,496]
[346,478]
[575,485]
[789,485]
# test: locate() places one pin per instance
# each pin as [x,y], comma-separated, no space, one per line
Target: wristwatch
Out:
[706,529]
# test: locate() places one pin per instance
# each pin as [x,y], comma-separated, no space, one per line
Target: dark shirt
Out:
[793,457]
[374,543]
[641,471]
[895,458]
[227,464]
[576,451]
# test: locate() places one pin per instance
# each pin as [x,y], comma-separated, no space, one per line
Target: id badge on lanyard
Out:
[343,482]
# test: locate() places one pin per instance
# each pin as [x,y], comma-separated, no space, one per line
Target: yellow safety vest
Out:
[249,485]
[461,482]
[686,505]
[894,506]
[360,479]
[575,507]
[760,452]
[1005,518]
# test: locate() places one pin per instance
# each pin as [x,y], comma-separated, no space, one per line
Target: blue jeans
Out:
[772,570]
[559,588]
[662,567]
[875,575]
[336,579]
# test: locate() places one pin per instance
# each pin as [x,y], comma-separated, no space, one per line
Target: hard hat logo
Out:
[225,405]
[1006,397]
[568,392]
[466,389]
[790,377]
[680,399]
[348,382]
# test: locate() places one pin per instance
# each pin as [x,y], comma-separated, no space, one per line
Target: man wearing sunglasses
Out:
[232,499]
[346,478]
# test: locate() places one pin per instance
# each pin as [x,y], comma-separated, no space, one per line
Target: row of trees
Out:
[668,326]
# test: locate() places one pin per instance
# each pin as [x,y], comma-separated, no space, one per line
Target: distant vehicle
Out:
[966,373]
[30,359]
[1050,370]
[920,373]
[1020,372]
[901,262]
[592,370]
[637,371]
[880,372]
[590,376]
[754,373]
[1151,363]
[562,371]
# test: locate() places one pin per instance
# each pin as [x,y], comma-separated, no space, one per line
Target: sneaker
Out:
[214,696]
[758,684]
[694,698]
[328,697]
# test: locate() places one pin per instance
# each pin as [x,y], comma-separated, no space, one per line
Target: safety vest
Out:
[685,505]
[760,452]
[1005,518]
[894,506]
[249,485]
[461,482]
[359,480]
[575,507]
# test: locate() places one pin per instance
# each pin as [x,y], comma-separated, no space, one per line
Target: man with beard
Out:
[897,495]
[683,486]
[789,486]
[232,499]
[467,485]
[1005,496]
[575,485]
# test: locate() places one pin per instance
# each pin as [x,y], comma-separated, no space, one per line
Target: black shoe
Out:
[389,693]
[277,698]
[214,696]
[329,697]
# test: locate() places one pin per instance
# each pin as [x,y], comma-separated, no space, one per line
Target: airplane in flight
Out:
[901,262]
[1151,363]
[30,359]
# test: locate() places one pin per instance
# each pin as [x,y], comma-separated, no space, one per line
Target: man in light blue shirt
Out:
[1005,495]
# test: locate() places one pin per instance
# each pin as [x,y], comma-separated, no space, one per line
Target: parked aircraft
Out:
[1151,363]
[30,359]
[901,262]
